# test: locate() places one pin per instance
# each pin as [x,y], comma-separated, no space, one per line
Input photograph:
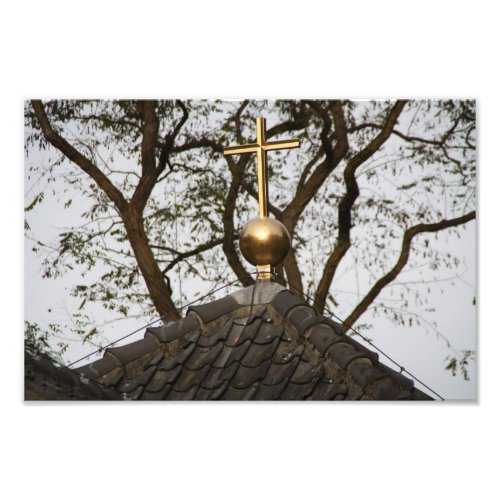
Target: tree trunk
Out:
[293,275]
[155,282]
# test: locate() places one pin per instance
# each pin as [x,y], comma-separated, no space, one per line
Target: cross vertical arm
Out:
[262,168]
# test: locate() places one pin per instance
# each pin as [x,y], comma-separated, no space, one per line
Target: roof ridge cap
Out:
[261,292]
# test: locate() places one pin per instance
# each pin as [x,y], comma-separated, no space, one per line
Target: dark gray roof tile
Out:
[243,329]
[398,377]
[322,337]
[98,368]
[203,394]
[203,356]
[278,372]
[174,329]
[285,352]
[156,395]
[231,354]
[268,332]
[364,373]
[305,372]
[270,392]
[133,351]
[285,301]
[146,375]
[302,317]
[187,339]
[113,378]
[386,390]
[337,327]
[246,394]
[218,392]
[318,319]
[130,385]
[177,395]
[296,392]
[156,359]
[258,353]
[161,378]
[326,390]
[210,339]
[171,362]
[85,371]
[343,353]
[348,339]
[136,393]
[217,376]
[245,377]
[419,395]
[216,309]
[188,378]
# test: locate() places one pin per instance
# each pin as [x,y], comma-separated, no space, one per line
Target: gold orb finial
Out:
[264,241]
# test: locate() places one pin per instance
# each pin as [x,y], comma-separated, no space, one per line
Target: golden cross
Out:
[261,147]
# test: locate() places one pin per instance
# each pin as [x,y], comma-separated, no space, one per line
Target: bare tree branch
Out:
[228,222]
[237,120]
[333,157]
[410,233]
[308,167]
[198,143]
[150,125]
[347,202]
[169,139]
[151,172]
[131,212]
[310,187]
[412,138]
[76,157]
[189,253]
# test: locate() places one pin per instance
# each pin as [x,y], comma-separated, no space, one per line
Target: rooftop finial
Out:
[264,242]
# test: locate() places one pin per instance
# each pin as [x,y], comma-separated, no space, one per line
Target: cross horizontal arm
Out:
[270,146]
[238,150]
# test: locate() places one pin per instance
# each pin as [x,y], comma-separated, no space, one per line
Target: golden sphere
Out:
[264,241]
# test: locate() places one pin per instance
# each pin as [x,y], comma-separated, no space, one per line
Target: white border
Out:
[231,50]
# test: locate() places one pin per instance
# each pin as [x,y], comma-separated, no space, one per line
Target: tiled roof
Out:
[43,380]
[259,343]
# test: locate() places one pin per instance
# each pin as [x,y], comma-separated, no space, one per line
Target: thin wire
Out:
[401,368]
[153,322]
